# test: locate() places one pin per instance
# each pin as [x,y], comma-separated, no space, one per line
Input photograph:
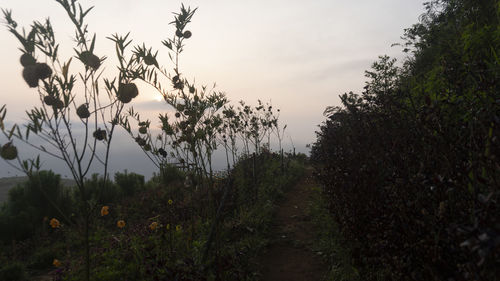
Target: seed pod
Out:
[8,151]
[177,114]
[143,130]
[179,85]
[100,134]
[191,89]
[183,125]
[162,152]
[30,75]
[126,92]
[58,104]
[147,147]
[179,33]
[43,71]
[150,60]
[27,59]
[180,107]
[90,60]
[83,111]
[140,141]
[187,34]
[49,100]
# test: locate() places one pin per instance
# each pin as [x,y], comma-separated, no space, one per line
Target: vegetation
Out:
[176,225]
[410,167]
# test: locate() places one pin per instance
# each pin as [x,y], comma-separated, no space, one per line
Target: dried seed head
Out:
[179,33]
[177,114]
[8,151]
[43,70]
[49,100]
[126,92]
[90,60]
[30,75]
[58,104]
[162,152]
[100,134]
[83,111]
[27,59]
[179,85]
[143,130]
[147,147]
[140,141]
[187,34]
[150,60]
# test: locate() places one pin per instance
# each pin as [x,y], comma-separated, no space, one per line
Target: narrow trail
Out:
[289,256]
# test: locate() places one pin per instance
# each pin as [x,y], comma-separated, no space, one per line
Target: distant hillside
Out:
[7,183]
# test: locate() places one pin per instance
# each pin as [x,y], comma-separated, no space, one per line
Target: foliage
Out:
[410,167]
[67,101]
[13,272]
[176,225]
[129,183]
[26,208]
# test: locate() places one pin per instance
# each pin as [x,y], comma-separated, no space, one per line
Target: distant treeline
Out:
[410,166]
[27,210]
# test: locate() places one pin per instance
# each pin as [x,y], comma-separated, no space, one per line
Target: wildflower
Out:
[54,223]
[56,263]
[120,223]
[178,228]
[153,225]
[104,210]
[168,226]
[170,202]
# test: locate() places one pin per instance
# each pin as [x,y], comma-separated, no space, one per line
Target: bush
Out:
[43,258]
[13,272]
[129,183]
[102,193]
[28,204]
[410,167]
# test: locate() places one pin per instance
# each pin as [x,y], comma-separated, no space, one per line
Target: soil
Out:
[290,256]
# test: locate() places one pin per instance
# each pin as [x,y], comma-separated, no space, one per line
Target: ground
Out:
[290,256]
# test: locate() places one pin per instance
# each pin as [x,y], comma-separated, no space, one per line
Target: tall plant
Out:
[68,101]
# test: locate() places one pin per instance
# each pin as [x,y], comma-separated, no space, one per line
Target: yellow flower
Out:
[54,223]
[178,228]
[56,263]
[153,225]
[120,223]
[104,210]
[170,202]
[168,226]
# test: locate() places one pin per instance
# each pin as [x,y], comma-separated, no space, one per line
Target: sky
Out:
[298,55]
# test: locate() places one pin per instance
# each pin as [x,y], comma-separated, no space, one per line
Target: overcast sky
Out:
[300,55]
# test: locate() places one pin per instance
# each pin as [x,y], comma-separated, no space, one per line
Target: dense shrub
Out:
[13,272]
[410,167]
[28,204]
[129,183]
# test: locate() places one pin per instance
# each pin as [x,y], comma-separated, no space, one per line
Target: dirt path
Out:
[289,256]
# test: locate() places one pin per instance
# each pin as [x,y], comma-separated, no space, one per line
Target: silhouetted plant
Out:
[64,105]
